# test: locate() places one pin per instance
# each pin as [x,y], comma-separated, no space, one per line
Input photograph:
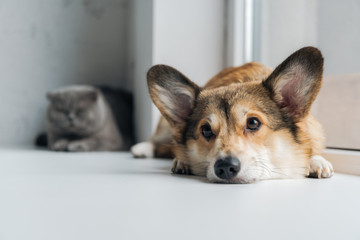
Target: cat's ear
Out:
[173,94]
[295,83]
[91,95]
[51,96]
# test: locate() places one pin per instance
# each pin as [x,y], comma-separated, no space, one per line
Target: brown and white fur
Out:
[247,123]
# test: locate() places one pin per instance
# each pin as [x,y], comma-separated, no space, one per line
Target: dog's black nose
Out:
[227,168]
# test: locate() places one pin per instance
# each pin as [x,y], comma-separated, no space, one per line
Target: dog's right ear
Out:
[173,94]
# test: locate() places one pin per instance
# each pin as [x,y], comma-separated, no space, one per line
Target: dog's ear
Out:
[295,83]
[173,94]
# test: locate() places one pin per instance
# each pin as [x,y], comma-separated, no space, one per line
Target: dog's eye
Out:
[206,131]
[253,124]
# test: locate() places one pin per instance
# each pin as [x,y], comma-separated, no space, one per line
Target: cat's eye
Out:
[253,124]
[207,132]
[62,110]
[80,112]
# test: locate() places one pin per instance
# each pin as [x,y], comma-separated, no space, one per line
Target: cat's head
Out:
[76,109]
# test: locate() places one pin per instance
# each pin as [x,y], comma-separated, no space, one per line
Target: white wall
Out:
[330,25]
[339,35]
[338,102]
[141,55]
[286,27]
[188,35]
[333,27]
[47,44]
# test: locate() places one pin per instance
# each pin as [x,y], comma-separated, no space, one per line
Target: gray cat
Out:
[79,118]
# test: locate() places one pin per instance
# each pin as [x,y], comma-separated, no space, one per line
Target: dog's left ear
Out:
[295,83]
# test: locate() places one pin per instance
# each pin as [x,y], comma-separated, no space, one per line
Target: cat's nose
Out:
[70,117]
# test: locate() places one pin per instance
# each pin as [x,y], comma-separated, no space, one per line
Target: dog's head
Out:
[242,132]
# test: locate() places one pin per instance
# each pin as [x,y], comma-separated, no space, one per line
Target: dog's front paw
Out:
[78,146]
[179,167]
[320,167]
[143,150]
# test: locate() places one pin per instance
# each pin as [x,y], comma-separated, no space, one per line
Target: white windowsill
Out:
[344,161]
[110,195]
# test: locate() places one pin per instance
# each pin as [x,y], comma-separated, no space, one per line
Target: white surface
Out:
[47,195]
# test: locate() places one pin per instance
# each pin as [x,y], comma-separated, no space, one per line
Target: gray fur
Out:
[80,119]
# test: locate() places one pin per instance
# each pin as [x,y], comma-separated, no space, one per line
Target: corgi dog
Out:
[246,124]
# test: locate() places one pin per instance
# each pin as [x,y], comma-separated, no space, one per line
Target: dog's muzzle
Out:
[227,168]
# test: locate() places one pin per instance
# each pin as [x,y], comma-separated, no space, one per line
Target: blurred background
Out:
[47,44]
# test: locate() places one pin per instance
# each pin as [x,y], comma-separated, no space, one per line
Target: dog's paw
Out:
[143,150]
[78,146]
[180,168]
[60,145]
[320,167]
